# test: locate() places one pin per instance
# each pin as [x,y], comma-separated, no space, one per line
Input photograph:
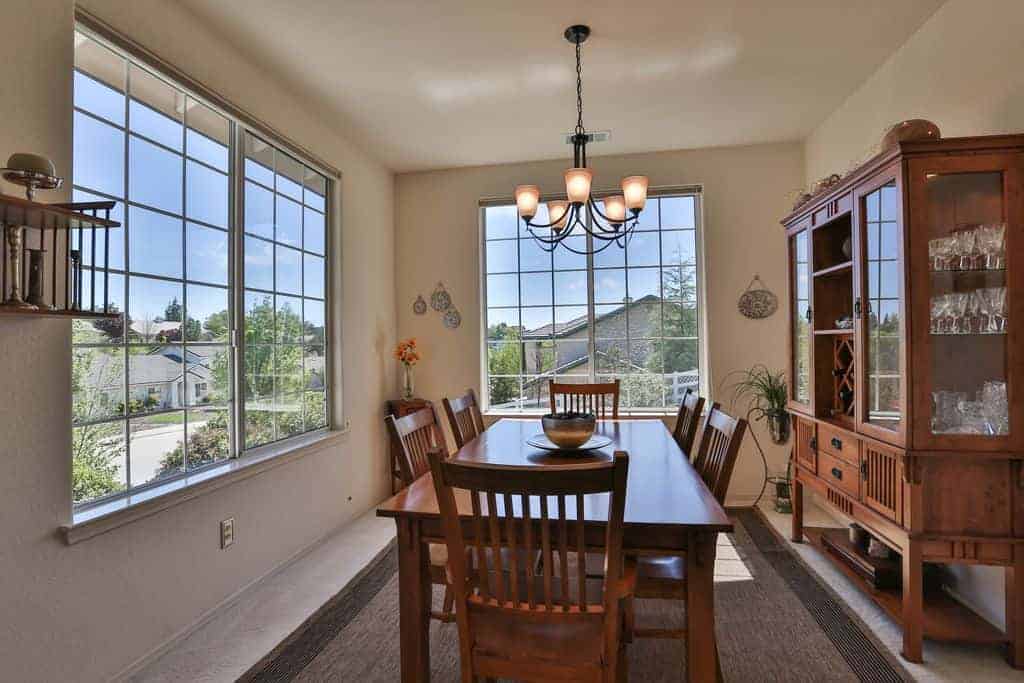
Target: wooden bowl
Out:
[569,430]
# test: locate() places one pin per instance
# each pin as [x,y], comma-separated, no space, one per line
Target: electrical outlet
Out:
[227,532]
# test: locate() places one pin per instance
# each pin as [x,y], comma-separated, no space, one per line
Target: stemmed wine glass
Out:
[965,246]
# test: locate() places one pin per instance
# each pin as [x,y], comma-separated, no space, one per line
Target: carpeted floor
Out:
[775,621]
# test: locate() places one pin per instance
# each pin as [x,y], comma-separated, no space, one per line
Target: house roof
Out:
[563,329]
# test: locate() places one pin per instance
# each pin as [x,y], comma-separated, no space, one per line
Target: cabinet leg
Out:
[1015,610]
[913,603]
[798,511]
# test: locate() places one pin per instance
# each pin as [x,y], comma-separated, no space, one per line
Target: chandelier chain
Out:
[579,92]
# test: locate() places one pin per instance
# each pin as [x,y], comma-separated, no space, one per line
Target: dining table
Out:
[669,510]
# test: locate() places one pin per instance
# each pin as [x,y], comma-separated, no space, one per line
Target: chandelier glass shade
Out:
[579,212]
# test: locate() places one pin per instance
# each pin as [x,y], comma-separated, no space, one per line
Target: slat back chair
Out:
[687,420]
[464,417]
[417,434]
[719,447]
[513,621]
[664,577]
[599,399]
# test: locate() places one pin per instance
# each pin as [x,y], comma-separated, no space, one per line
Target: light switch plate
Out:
[227,532]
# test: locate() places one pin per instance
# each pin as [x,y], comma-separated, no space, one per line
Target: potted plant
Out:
[766,395]
[408,356]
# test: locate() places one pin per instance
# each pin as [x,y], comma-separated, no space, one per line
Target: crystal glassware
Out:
[938,307]
[997,300]
[945,412]
[980,312]
[965,249]
[958,303]
[995,407]
[972,417]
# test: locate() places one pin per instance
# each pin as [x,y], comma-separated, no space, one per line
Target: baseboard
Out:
[169,644]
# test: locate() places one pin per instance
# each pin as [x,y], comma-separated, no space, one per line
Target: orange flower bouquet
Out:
[408,355]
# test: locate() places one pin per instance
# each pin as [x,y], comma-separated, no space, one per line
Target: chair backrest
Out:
[512,622]
[586,398]
[417,434]
[719,447]
[687,420]
[464,417]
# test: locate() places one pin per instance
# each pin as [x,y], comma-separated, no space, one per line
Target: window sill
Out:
[105,517]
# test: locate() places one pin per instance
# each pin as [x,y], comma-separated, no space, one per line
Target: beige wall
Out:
[962,70]
[85,612]
[746,192]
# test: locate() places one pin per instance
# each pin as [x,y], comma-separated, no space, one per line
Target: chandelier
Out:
[613,225]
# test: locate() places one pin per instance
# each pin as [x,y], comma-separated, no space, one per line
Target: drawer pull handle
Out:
[837,473]
[836,443]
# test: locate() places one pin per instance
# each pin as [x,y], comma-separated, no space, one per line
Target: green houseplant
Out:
[766,394]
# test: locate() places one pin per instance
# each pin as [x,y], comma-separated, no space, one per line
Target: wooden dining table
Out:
[669,510]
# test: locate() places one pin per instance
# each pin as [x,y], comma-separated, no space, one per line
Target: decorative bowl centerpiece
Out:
[569,430]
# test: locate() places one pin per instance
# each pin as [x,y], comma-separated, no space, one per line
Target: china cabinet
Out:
[907,373]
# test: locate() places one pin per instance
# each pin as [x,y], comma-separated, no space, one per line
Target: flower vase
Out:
[778,427]
[407,382]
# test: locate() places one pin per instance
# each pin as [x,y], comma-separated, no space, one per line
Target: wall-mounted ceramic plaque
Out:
[440,300]
[419,307]
[452,318]
[757,301]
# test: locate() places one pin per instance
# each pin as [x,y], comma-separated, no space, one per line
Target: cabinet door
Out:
[879,308]
[806,445]
[968,300]
[800,388]
[881,471]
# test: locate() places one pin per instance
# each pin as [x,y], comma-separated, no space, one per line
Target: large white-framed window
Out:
[155,396]
[632,314]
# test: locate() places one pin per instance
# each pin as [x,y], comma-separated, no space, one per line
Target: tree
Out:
[207,443]
[504,359]
[218,325]
[173,311]
[95,447]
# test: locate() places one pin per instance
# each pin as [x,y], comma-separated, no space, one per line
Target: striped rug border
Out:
[870,661]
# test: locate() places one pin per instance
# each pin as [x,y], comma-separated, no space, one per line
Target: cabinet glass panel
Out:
[967,297]
[801,317]
[883,294]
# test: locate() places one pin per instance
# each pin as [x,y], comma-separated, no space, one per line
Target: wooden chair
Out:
[586,398]
[664,577]
[688,419]
[464,417]
[417,434]
[514,623]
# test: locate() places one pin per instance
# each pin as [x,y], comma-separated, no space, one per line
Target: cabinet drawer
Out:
[806,448]
[841,444]
[839,473]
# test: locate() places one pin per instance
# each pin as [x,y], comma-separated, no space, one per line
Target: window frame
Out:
[703,366]
[239,124]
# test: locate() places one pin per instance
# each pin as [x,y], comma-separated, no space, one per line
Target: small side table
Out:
[401,408]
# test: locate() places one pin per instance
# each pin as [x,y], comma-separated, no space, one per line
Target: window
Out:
[630,314]
[154,394]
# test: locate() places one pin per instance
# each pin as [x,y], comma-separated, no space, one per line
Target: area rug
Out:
[775,621]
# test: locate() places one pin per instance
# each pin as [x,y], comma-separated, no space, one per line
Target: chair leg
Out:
[449,601]
[628,620]
[622,672]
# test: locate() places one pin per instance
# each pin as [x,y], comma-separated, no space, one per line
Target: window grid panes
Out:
[629,314]
[153,394]
[284,272]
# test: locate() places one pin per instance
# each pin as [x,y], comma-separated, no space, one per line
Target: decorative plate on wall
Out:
[440,300]
[419,307]
[452,318]
[758,302]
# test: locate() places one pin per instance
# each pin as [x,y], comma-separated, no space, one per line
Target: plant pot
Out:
[778,427]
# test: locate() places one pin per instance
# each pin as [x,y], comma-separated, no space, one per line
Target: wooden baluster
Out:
[546,554]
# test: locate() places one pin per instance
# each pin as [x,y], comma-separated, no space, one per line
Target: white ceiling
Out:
[443,83]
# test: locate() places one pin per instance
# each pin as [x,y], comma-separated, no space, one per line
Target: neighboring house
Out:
[158,380]
[561,348]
